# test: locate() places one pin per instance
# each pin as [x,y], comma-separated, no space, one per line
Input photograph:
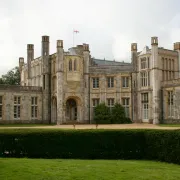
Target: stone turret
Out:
[30,57]
[46,79]
[60,81]
[177,48]
[134,82]
[86,55]
[21,64]
[134,56]
[155,81]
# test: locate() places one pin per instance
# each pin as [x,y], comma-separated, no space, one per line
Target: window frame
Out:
[125,81]
[110,82]
[95,82]
[34,107]
[17,107]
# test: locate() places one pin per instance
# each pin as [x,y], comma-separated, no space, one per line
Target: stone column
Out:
[155,81]
[46,79]
[30,57]
[134,95]
[60,82]
[86,54]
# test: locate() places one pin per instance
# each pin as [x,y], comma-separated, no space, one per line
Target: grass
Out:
[48,169]
[169,125]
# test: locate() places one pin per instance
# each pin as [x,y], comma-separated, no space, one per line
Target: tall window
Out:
[110,103]
[95,102]
[95,82]
[1,105]
[145,105]
[110,82]
[34,107]
[170,104]
[145,63]
[44,81]
[75,65]
[17,104]
[125,103]
[145,79]
[70,65]
[125,81]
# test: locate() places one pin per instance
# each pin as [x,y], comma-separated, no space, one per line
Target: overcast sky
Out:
[108,26]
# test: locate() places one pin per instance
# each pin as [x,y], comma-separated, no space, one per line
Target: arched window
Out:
[70,65]
[75,65]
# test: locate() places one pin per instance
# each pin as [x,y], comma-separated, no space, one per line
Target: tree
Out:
[118,115]
[12,77]
[101,114]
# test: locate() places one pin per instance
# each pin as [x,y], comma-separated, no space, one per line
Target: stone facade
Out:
[64,87]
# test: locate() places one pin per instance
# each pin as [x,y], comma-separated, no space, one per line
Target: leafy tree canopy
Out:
[12,77]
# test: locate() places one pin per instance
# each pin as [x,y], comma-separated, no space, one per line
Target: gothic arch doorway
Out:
[54,111]
[71,110]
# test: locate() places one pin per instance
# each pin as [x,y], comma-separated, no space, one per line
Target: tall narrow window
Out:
[110,103]
[170,104]
[125,82]
[70,65]
[145,105]
[144,63]
[44,80]
[95,82]
[1,105]
[148,63]
[17,104]
[125,103]
[110,82]
[34,107]
[75,65]
[145,79]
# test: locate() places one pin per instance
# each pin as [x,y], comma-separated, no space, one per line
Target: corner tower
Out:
[177,48]
[134,95]
[155,79]
[86,55]
[46,79]
[30,57]
[60,81]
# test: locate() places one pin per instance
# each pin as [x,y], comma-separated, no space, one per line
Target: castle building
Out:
[64,87]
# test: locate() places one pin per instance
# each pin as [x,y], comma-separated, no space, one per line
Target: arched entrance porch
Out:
[73,109]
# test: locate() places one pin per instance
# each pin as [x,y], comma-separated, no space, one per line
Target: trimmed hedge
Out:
[161,145]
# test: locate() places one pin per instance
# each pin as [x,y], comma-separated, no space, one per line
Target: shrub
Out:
[101,114]
[161,145]
[118,115]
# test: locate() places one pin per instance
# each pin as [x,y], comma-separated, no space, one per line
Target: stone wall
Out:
[25,93]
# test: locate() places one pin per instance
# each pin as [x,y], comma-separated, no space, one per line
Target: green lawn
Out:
[169,125]
[43,169]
